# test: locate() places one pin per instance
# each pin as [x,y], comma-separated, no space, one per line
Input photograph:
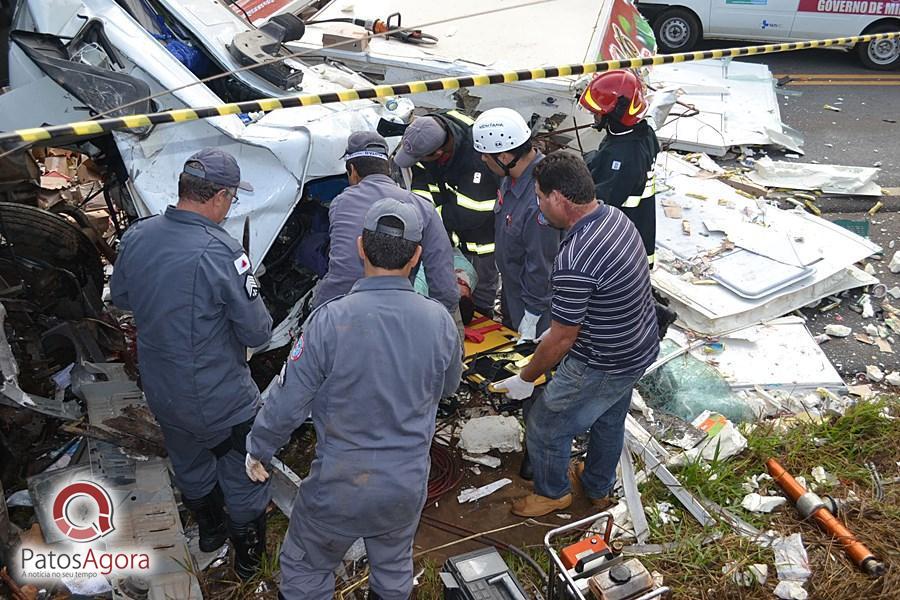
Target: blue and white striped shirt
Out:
[601,281]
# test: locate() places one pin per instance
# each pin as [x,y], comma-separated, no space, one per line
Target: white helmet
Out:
[499,130]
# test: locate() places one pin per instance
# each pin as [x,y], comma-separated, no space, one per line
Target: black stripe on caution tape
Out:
[90,128]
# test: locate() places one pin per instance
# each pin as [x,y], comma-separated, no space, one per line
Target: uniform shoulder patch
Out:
[616,165]
[251,285]
[297,349]
[242,264]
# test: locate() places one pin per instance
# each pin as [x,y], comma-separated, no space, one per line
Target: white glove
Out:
[514,387]
[255,469]
[528,327]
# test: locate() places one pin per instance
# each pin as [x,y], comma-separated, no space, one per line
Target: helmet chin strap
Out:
[506,166]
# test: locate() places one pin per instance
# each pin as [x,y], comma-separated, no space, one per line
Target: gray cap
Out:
[388,207]
[423,136]
[217,167]
[366,143]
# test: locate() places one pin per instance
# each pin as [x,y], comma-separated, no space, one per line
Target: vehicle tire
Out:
[676,30]
[881,55]
[40,238]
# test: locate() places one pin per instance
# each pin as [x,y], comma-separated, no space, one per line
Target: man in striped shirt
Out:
[603,329]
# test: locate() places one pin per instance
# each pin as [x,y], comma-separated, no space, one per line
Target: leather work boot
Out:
[207,512]
[576,470]
[249,540]
[538,506]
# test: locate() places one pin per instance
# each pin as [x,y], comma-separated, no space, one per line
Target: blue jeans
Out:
[577,399]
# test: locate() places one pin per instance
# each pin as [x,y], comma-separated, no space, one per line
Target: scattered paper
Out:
[755,574]
[753,502]
[473,494]
[791,560]
[824,477]
[791,590]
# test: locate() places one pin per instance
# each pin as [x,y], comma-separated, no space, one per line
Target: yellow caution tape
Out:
[90,128]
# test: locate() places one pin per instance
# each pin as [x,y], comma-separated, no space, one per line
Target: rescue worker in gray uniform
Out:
[368,169]
[525,243]
[197,309]
[372,366]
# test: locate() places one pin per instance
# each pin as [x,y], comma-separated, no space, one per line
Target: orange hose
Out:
[856,550]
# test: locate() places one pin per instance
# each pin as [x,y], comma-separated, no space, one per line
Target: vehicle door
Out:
[752,19]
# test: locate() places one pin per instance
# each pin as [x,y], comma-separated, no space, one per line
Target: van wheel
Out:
[677,30]
[880,54]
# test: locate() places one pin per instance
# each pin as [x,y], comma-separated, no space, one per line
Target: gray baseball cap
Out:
[406,213]
[366,143]
[423,136]
[218,167]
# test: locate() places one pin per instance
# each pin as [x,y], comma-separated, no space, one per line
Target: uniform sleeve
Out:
[341,253]
[455,368]
[287,403]
[437,258]
[118,283]
[422,185]
[236,289]
[542,244]
[571,293]
[611,183]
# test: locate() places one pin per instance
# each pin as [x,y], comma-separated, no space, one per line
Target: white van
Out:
[680,24]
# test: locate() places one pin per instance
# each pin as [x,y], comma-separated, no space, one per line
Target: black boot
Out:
[207,512]
[249,541]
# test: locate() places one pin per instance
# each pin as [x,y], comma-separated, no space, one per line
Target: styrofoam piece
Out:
[483,434]
[831,179]
[482,459]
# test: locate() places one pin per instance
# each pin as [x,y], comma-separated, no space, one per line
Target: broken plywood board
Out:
[715,309]
[830,179]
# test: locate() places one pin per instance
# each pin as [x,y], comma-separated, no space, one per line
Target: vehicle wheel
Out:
[880,54]
[677,30]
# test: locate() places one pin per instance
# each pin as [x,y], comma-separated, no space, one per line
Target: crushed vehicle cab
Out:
[680,24]
[74,60]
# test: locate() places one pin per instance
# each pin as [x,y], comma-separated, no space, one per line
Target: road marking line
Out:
[845,83]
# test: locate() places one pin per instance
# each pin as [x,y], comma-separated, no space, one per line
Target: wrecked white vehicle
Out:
[72,60]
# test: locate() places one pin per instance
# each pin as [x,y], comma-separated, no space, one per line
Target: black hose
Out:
[487,541]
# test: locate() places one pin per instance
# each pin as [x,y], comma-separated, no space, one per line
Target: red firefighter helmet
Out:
[602,96]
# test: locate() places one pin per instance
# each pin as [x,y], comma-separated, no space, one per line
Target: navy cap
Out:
[217,167]
[406,213]
[366,143]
